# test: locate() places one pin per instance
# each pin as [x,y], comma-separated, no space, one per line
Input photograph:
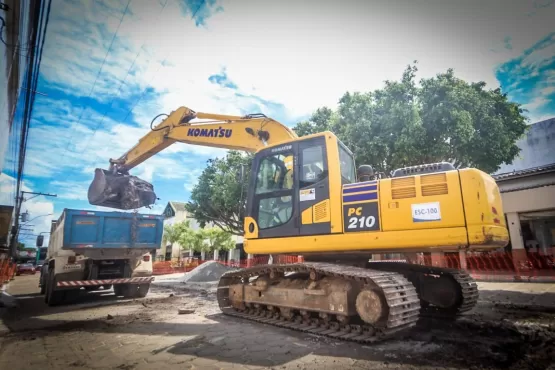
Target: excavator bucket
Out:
[120,191]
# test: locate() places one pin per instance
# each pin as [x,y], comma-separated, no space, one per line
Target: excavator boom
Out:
[115,188]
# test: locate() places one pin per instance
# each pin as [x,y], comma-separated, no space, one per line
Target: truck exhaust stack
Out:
[120,191]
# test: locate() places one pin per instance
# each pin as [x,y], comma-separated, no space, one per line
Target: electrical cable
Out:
[140,98]
[112,102]
[96,79]
[32,79]
[22,48]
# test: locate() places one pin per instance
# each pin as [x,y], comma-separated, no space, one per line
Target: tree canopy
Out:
[200,240]
[220,193]
[443,118]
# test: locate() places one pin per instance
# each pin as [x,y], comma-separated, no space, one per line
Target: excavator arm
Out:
[116,188]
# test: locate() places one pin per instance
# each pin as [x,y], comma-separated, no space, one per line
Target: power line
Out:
[33,72]
[121,85]
[97,75]
[117,95]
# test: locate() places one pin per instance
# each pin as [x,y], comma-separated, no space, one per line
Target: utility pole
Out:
[15,228]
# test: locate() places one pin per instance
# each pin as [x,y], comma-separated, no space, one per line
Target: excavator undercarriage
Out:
[346,302]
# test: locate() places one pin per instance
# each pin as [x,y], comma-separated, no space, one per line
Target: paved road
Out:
[99,331]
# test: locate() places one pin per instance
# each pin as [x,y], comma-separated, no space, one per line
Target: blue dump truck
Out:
[91,249]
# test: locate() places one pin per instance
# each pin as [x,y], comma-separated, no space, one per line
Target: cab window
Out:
[313,166]
[346,166]
[274,188]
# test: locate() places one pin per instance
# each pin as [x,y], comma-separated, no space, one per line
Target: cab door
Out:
[313,187]
[273,202]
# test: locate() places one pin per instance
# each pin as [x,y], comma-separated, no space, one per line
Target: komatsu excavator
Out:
[304,198]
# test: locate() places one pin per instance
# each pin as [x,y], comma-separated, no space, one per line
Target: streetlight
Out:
[34,218]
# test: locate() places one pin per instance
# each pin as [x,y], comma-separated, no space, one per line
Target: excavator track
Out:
[458,281]
[403,304]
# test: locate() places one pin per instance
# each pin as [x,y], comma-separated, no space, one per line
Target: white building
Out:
[175,212]
[528,190]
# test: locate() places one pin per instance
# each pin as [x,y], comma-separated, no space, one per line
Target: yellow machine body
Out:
[422,212]
[304,198]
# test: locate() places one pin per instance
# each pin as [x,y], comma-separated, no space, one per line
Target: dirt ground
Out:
[513,327]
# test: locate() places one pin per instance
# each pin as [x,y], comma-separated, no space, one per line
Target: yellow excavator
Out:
[306,198]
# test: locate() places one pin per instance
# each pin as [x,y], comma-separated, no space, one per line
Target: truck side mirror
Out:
[40,240]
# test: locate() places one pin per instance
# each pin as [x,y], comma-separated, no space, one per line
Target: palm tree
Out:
[172,233]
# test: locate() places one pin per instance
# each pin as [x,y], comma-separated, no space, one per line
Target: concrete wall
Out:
[537,147]
[529,200]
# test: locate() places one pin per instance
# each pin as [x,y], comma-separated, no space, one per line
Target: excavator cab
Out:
[120,190]
[296,186]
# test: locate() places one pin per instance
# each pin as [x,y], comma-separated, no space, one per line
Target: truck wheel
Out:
[53,297]
[129,290]
[143,290]
[118,290]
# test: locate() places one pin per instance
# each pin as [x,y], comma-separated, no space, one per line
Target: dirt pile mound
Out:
[207,272]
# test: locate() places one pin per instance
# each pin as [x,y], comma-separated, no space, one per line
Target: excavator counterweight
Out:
[120,191]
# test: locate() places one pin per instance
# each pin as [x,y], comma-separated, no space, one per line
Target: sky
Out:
[109,67]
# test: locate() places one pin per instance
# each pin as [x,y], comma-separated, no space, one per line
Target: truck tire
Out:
[129,290]
[142,291]
[118,290]
[53,297]
[42,284]
[42,280]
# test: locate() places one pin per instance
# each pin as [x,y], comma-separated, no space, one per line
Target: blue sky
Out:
[109,67]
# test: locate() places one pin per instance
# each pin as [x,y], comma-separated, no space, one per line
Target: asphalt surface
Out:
[513,327]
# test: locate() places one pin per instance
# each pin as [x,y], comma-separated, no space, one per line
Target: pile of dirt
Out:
[207,272]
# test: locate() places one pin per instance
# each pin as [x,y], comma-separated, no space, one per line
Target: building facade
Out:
[175,212]
[528,191]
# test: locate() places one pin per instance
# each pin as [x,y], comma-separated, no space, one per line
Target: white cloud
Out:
[287,52]
[74,145]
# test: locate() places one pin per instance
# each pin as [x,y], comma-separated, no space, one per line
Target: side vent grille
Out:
[434,184]
[403,188]
[433,179]
[400,183]
[321,212]
[437,189]
[403,193]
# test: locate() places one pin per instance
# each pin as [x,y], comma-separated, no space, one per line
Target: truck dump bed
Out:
[77,229]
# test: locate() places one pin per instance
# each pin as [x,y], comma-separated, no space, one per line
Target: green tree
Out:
[443,118]
[321,120]
[20,246]
[193,239]
[218,239]
[220,193]
[172,233]
[205,239]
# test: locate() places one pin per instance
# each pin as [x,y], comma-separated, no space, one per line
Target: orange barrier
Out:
[499,266]
[7,271]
